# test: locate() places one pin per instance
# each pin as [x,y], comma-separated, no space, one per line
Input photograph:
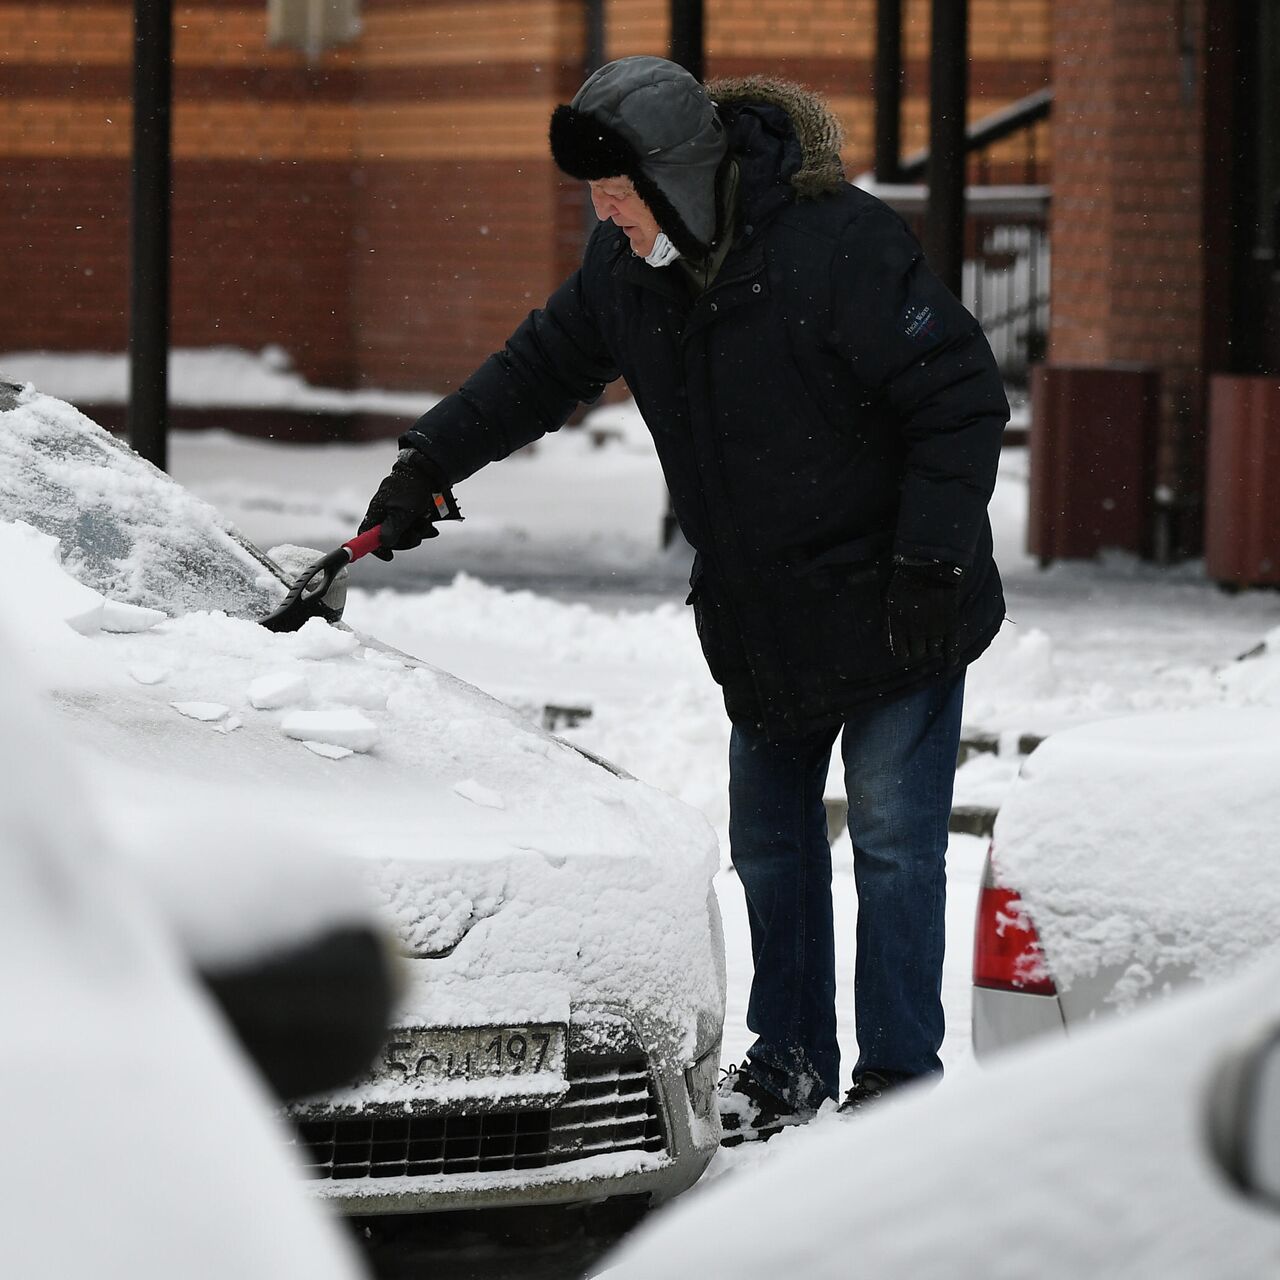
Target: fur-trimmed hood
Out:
[817,130]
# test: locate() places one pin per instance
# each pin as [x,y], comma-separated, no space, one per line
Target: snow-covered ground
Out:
[555,591]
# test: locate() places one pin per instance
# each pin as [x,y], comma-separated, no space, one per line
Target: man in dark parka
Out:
[828,419]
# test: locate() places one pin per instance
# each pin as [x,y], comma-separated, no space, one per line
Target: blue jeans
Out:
[899,768]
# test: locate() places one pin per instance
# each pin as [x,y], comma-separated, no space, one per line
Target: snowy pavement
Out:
[555,591]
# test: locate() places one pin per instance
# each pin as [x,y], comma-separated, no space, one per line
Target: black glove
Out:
[922,608]
[405,504]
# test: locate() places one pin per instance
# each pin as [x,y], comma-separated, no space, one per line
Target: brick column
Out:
[1128,266]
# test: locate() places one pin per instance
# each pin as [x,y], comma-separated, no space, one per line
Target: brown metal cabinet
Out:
[1242,524]
[1093,433]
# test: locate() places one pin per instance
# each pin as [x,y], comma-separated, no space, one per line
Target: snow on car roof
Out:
[531,876]
[1149,842]
[1083,1158]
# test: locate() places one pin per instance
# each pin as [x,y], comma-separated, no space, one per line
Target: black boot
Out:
[749,1112]
[870,1087]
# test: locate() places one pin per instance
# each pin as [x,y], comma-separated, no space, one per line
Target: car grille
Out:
[610,1107]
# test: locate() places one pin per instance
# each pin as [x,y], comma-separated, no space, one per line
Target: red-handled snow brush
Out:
[306,597]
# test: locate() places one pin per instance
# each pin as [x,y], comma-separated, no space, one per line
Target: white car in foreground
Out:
[557,1037]
[1132,857]
[137,1140]
[1085,1158]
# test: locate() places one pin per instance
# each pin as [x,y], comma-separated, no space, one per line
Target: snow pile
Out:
[1083,1159]
[50,614]
[1255,679]
[35,577]
[137,1140]
[43,593]
[1017,669]
[127,530]
[1149,843]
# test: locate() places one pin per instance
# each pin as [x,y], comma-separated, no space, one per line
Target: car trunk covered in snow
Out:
[1144,850]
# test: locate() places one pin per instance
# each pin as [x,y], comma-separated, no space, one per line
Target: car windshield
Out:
[126,528]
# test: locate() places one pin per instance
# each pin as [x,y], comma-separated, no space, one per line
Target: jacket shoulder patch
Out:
[921,324]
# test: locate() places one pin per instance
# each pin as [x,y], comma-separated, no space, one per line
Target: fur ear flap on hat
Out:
[588,150]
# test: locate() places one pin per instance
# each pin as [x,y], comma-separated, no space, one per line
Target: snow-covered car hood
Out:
[524,877]
[1145,848]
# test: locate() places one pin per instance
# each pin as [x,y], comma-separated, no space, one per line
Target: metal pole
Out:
[595,42]
[149,271]
[687,36]
[948,96]
[687,49]
[594,55]
[888,90]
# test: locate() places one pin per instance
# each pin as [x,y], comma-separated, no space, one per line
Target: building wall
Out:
[1128,266]
[387,214]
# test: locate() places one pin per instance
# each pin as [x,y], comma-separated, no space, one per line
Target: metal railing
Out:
[1006,286]
[1005,280]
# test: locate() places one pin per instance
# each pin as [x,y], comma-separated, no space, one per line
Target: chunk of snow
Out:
[279,689]
[229,725]
[34,576]
[328,750]
[206,711]
[125,619]
[341,727]
[147,673]
[470,789]
[317,639]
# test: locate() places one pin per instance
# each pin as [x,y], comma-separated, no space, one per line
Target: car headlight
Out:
[701,1082]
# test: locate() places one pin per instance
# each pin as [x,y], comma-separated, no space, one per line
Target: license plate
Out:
[461,1055]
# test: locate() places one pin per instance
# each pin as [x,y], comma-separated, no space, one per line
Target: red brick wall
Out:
[389,213]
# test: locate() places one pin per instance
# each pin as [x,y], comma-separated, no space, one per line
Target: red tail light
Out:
[1006,948]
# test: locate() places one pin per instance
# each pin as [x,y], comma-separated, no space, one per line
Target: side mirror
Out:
[1243,1117]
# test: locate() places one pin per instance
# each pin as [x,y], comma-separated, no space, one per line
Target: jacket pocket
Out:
[715,633]
[836,621]
[861,559]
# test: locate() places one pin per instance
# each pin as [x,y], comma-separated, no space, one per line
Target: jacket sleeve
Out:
[925,359]
[554,361]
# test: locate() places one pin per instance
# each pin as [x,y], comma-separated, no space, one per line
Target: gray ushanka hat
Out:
[649,120]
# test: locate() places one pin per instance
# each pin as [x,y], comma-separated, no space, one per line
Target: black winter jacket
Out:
[826,404]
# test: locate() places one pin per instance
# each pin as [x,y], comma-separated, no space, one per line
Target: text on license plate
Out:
[476,1053]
